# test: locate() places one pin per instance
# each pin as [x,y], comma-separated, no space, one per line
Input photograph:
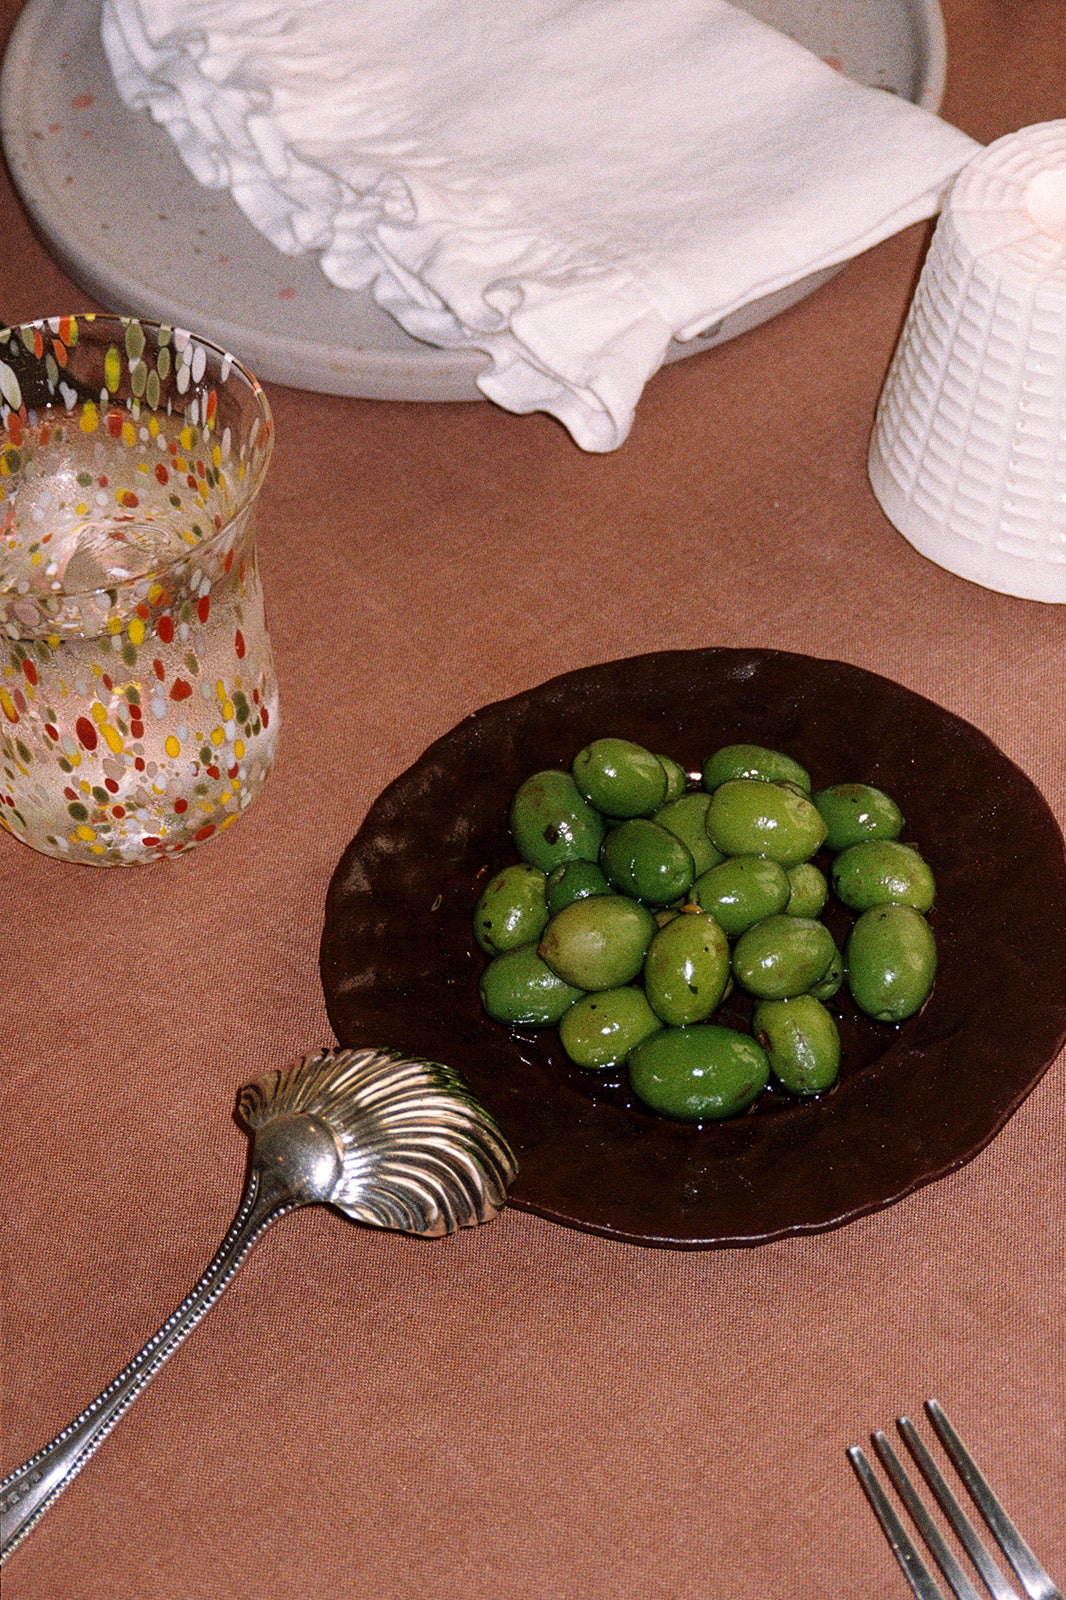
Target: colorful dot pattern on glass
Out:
[138,703]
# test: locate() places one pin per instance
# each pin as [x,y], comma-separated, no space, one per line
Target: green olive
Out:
[891,962]
[573,880]
[857,811]
[753,761]
[620,778]
[807,890]
[881,872]
[686,817]
[640,858]
[686,969]
[551,821]
[782,956]
[742,891]
[598,942]
[676,777]
[831,980]
[698,1073]
[599,1030]
[801,1040]
[518,987]
[747,817]
[511,910]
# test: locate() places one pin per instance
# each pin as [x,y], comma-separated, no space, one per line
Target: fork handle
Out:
[28,1491]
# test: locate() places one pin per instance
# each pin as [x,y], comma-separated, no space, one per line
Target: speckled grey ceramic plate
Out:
[400,966]
[113,200]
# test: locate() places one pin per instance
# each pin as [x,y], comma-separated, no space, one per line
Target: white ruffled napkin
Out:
[566,184]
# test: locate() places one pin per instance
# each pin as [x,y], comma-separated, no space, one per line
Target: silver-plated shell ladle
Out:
[389,1140]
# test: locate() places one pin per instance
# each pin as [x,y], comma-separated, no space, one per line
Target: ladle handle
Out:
[28,1491]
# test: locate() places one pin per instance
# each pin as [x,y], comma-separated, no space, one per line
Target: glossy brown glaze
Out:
[399,964]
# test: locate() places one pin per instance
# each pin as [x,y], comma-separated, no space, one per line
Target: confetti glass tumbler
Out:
[138,704]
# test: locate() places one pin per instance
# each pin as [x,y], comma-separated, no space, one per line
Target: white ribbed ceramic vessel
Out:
[968,454]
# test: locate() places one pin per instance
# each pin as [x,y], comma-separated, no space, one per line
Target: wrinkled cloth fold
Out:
[565,184]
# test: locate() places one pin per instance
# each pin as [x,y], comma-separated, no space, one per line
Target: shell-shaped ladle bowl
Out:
[390,1140]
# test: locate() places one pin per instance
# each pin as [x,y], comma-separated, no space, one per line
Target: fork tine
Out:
[942,1555]
[914,1568]
[1035,1581]
[994,1580]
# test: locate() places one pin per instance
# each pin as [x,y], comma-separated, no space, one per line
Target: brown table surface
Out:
[522,1410]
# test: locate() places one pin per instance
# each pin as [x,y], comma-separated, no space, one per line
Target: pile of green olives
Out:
[641,898]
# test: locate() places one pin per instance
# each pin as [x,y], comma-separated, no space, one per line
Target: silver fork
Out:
[1034,1580]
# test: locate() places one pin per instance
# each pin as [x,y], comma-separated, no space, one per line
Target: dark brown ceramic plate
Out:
[400,967]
